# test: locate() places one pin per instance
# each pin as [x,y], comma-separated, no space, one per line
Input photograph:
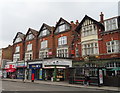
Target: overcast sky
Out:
[19,15]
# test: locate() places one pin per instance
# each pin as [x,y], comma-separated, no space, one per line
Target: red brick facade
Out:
[73,40]
[7,52]
[32,41]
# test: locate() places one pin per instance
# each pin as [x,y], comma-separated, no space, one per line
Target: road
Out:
[20,86]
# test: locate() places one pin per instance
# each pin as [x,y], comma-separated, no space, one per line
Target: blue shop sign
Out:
[35,66]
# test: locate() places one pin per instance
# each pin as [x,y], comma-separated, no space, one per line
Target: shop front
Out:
[56,69]
[35,71]
[20,70]
[10,70]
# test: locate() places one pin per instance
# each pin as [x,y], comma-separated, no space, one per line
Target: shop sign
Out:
[21,64]
[32,66]
[10,66]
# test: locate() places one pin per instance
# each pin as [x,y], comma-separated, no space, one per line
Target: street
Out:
[20,86]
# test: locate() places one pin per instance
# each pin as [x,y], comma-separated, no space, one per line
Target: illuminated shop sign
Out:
[35,66]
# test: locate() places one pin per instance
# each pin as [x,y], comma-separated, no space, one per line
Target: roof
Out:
[50,28]
[22,36]
[87,17]
[61,19]
[34,32]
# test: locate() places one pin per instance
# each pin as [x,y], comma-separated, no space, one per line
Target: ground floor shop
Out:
[91,75]
[111,69]
[20,70]
[10,70]
[55,69]
[34,70]
[55,73]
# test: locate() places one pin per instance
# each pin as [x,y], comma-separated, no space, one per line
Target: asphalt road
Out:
[10,87]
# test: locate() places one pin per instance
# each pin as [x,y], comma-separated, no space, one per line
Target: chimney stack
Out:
[101,17]
[77,22]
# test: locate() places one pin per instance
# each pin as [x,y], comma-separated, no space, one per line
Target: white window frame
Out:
[62,40]
[28,56]
[90,49]
[29,47]
[43,54]
[111,24]
[76,52]
[16,57]
[17,49]
[62,52]
[29,36]
[44,44]
[18,39]
[113,48]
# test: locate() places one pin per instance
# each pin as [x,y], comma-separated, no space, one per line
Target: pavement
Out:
[65,84]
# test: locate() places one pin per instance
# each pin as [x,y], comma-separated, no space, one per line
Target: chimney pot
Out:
[72,22]
[77,22]
[101,17]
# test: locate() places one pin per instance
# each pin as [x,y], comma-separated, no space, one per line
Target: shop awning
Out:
[11,70]
[117,68]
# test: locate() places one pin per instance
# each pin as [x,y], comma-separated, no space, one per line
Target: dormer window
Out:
[111,24]
[29,37]
[18,39]
[44,32]
[62,27]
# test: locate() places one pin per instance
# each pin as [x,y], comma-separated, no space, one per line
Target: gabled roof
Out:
[87,17]
[34,32]
[21,35]
[47,26]
[61,19]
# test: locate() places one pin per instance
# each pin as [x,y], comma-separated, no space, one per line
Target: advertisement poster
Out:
[100,76]
[40,76]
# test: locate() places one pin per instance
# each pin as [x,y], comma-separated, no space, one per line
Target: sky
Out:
[19,15]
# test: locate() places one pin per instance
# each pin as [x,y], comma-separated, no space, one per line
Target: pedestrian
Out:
[33,77]
[87,78]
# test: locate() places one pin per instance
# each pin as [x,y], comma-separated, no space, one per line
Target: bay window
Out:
[62,52]
[90,49]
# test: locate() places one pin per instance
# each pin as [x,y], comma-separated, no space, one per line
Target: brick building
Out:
[53,49]
[31,44]
[45,42]
[18,47]
[98,44]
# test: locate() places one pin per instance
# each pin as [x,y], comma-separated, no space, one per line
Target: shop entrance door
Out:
[37,74]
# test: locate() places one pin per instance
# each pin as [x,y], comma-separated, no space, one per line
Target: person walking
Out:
[86,82]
